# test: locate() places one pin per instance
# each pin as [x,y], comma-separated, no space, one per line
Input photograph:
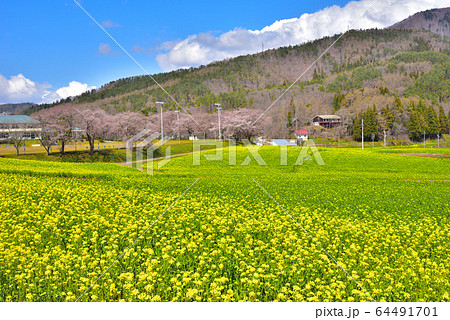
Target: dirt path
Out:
[428,155]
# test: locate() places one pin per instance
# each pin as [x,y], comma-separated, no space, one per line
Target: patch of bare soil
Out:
[428,155]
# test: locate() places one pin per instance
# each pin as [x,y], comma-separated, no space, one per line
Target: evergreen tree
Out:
[370,123]
[433,122]
[443,121]
[357,128]
[389,116]
[291,114]
[370,117]
[448,124]
[398,105]
[421,107]
[315,75]
[410,106]
[337,101]
[415,125]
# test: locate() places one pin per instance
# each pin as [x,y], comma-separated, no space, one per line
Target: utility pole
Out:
[178,122]
[438,140]
[162,121]
[384,135]
[219,108]
[362,133]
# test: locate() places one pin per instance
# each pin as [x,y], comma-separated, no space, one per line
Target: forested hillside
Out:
[434,20]
[15,107]
[364,69]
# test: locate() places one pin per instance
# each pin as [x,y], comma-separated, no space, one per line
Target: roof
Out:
[17,119]
[328,116]
[283,143]
[301,132]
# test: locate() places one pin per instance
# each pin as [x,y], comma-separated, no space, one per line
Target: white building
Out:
[21,126]
[301,135]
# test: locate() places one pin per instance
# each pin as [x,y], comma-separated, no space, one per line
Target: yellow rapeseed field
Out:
[383,217]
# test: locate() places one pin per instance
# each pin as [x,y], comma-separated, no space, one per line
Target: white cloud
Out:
[105,49]
[110,24]
[20,89]
[204,48]
[75,88]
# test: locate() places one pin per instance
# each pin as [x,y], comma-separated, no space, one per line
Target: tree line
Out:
[62,125]
[419,119]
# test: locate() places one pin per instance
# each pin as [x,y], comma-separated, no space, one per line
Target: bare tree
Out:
[48,139]
[48,136]
[16,136]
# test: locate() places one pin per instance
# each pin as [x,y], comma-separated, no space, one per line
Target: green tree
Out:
[434,86]
[415,126]
[448,117]
[370,117]
[337,101]
[291,114]
[433,122]
[356,128]
[443,121]
[388,114]
[418,120]
[398,105]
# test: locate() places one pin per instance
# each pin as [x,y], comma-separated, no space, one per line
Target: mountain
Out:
[434,20]
[359,69]
[14,108]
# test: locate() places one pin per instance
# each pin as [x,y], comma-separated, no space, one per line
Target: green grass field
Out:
[384,217]
[108,155]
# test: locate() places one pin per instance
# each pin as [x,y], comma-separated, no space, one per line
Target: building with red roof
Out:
[301,135]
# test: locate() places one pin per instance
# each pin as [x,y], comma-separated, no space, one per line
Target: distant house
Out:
[301,135]
[327,121]
[23,126]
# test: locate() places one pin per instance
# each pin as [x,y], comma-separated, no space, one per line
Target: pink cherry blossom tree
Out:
[48,135]
[94,123]
[242,124]
[60,120]
[189,124]
[124,126]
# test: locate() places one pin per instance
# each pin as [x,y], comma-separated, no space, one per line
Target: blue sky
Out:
[52,43]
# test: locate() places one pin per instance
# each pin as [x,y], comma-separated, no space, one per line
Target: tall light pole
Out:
[162,121]
[219,108]
[178,124]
